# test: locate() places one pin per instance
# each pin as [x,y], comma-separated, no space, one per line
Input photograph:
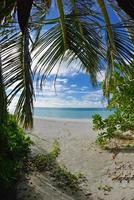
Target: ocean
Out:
[70,113]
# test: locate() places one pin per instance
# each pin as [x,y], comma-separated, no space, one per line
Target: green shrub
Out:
[44,162]
[109,128]
[65,178]
[55,150]
[121,98]
[48,160]
[14,147]
[98,123]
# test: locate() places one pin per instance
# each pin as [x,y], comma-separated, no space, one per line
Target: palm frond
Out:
[109,42]
[3,99]
[6,8]
[62,22]
[50,48]
[123,51]
[118,42]
[18,77]
[24,106]
[23,12]
[127,8]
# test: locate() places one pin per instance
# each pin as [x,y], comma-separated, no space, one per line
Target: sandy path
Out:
[80,154]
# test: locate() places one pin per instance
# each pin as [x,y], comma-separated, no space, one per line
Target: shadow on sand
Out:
[39,186]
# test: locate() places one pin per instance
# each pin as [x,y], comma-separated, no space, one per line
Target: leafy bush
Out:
[109,128]
[98,123]
[122,100]
[14,147]
[113,126]
[65,178]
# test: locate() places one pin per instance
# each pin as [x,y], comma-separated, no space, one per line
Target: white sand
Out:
[79,153]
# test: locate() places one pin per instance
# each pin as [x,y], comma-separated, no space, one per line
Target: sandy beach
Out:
[79,153]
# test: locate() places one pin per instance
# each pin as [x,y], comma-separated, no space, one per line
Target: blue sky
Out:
[73,88]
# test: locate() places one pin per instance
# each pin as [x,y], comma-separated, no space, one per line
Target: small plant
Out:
[43,162]
[105,188]
[98,123]
[55,151]
[108,128]
[65,178]
[102,140]
[61,175]
[48,160]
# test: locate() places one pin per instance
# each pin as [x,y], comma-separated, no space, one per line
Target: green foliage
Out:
[14,146]
[107,126]
[43,162]
[55,150]
[97,122]
[61,175]
[122,100]
[48,160]
[64,178]
[105,188]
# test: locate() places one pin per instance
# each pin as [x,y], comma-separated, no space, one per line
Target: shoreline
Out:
[62,119]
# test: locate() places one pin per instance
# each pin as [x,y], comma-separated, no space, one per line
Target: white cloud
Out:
[73,85]
[57,101]
[65,95]
[62,80]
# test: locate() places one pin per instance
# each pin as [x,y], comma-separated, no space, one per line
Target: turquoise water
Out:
[70,113]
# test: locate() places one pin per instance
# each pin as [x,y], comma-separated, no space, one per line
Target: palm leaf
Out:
[23,11]
[6,8]
[18,77]
[24,106]
[3,99]
[62,22]
[85,48]
[128,8]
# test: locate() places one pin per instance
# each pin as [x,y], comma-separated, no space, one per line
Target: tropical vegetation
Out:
[122,101]
[62,177]
[82,31]
[32,43]
[14,149]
